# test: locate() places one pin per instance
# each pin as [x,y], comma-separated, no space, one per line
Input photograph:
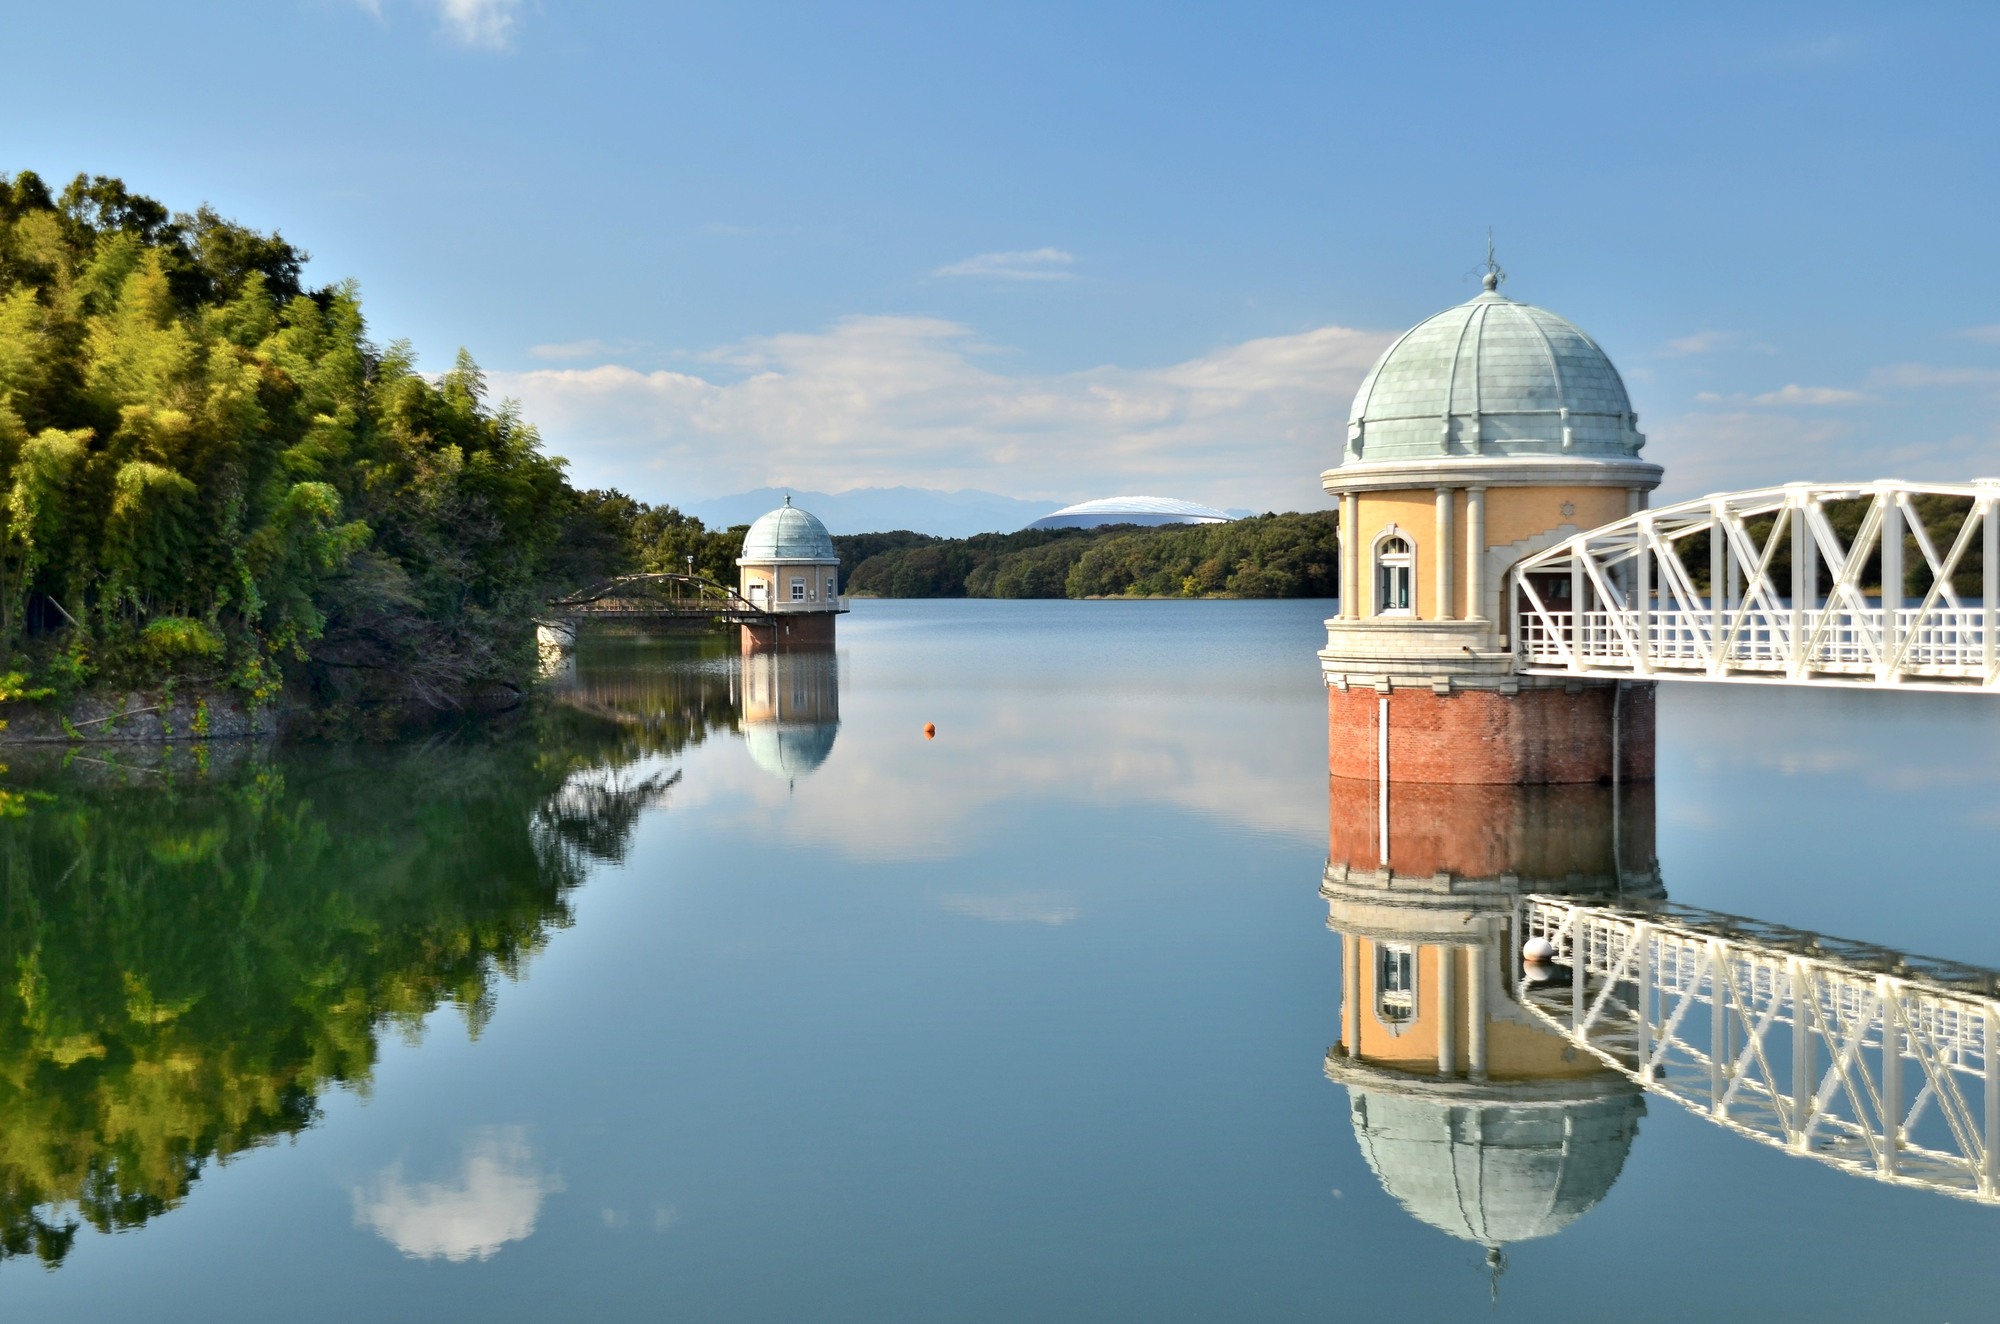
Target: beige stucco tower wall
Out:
[1490,431]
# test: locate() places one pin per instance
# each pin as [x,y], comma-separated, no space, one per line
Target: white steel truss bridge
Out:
[1875,1062]
[1854,584]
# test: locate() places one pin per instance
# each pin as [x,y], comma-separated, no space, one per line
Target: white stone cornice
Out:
[1492,471]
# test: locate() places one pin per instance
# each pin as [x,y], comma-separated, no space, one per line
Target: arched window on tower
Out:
[1395,984]
[1395,576]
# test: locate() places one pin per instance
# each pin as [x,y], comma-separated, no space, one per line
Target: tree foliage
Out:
[1270,556]
[188,434]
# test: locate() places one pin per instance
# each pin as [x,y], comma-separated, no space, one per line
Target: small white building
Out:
[788,564]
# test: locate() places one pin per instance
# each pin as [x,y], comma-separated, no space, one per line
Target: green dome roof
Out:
[1492,377]
[788,534]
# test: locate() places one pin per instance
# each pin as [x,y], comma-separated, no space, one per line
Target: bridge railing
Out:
[1871,1061]
[671,596]
[1691,590]
[1941,643]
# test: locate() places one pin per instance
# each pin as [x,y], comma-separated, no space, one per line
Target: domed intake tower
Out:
[789,571]
[1485,433]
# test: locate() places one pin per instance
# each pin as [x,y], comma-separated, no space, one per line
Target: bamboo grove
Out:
[208,470]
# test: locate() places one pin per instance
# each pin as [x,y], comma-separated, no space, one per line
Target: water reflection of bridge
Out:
[1498,1102]
[1873,1061]
[784,702]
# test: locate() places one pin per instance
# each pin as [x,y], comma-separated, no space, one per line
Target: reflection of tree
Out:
[665,691]
[191,959]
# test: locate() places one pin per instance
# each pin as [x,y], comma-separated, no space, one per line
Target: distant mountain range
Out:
[957,514]
[879,509]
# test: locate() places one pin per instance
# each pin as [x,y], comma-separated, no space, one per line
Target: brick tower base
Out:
[804,630]
[1536,735]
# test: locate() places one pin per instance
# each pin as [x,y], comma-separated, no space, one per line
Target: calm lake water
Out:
[718,992]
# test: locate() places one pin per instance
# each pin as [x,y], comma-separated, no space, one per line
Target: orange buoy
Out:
[930,730]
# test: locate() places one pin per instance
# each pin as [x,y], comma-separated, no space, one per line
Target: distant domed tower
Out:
[789,571]
[1490,431]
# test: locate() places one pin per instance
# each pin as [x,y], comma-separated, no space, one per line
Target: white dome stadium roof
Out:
[1131,510]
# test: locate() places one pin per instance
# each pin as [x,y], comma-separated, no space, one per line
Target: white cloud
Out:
[887,401]
[1809,395]
[1806,52]
[1032,264]
[1701,342]
[496,1199]
[486,25]
[483,25]
[1919,376]
[1787,395]
[586,349]
[1990,334]
[1728,450]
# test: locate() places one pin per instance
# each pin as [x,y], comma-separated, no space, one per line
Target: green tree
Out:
[189,433]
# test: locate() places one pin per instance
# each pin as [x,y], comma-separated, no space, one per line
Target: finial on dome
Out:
[1495,273]
[788,498]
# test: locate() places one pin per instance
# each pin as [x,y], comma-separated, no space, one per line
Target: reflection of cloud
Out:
[495,1200]
[1012,908]
[887,799]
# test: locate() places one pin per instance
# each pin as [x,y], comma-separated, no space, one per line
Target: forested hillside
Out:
[1270,556]
[209,473]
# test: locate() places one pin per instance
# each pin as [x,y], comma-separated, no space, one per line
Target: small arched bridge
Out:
[1781,584]
[660,597]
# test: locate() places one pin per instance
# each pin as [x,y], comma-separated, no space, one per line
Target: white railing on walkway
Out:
[1875,1062]
[1622,601]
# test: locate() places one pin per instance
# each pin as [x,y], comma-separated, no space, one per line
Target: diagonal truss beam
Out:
[1808,1045]
[1831,624]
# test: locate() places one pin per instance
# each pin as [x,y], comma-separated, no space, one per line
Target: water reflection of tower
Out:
[790,706]
[1474,1115]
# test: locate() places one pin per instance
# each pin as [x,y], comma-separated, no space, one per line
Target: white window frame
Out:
[798,588]
[1386,563]
[1396,1008]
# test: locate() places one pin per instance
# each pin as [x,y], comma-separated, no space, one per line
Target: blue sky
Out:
[1065,250]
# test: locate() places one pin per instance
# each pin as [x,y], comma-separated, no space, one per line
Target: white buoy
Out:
[1538,948]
